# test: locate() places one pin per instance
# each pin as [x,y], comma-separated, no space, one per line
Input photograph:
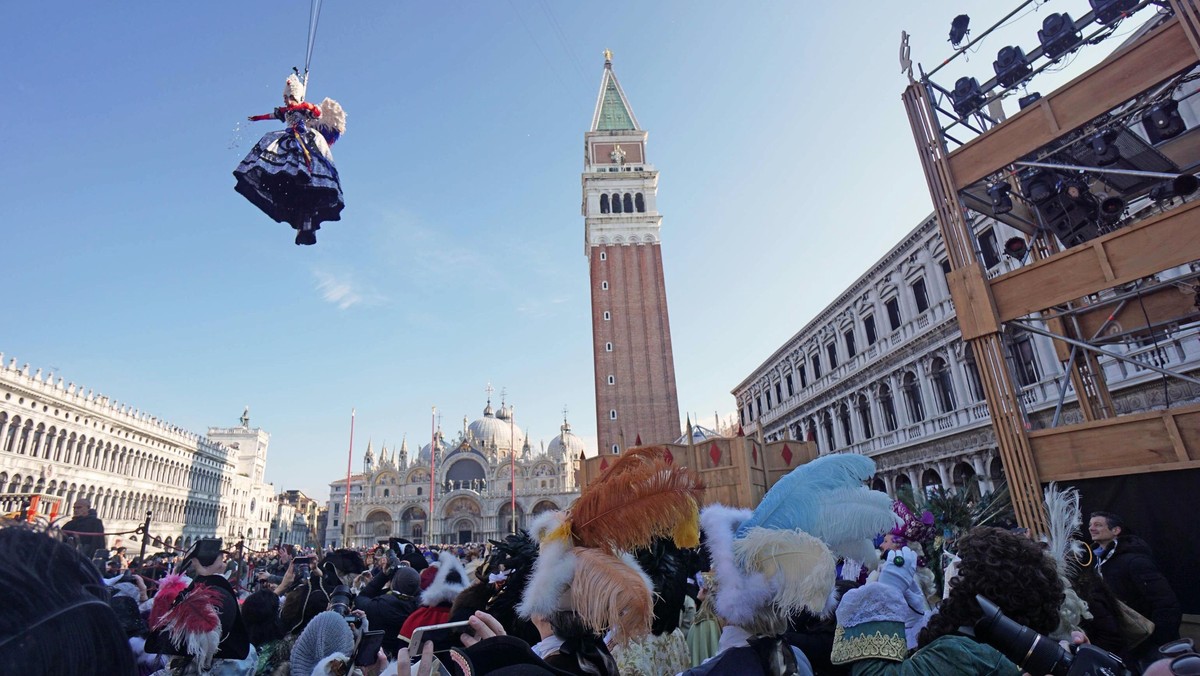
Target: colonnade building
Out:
[883,371]
[62,442]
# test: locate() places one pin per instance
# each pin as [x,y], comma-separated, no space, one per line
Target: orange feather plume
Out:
[640,498]
[609,592]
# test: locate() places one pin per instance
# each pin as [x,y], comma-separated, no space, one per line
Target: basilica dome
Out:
[565,444]
[498,427]
[442,448]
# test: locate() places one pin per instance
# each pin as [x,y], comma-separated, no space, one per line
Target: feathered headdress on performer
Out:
[190,621]
[781,557]
[451,579]
[583,564]
[669,569]
[1065,516]
[913,528]
[513,558]
[293,88]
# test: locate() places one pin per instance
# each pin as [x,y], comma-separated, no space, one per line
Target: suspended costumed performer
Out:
[290,173]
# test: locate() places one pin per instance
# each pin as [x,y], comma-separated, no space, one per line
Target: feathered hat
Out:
[584,563]
[293,88]
[914,528]
[781,557]
[451,579]
[1065,517]
[187,618]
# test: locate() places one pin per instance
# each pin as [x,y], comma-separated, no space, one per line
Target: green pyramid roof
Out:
[613,113]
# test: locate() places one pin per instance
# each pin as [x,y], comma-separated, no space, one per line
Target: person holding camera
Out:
[388,600]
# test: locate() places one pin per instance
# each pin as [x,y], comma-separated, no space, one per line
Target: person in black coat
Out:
[1127,566]
[387,609]
[84,521]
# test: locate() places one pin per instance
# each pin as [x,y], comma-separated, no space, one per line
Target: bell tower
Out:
[631,335]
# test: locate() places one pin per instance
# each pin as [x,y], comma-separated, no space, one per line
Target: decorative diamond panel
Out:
[714,452]
[787,455]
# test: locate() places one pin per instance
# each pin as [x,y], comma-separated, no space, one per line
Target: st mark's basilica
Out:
[472,485]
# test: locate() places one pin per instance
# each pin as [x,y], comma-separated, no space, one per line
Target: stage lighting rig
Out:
[959,29]
[1102,143]
[1111,210]
[1038,185]
[1001,199]
[1016,248]
[1058,35]
[1180,186]
[1108,12]
[1011,66]
[1162,121]
[1076,188]
[967,97]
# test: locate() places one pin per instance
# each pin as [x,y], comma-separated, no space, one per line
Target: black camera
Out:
[1037,654]
[205,551]
[339,602]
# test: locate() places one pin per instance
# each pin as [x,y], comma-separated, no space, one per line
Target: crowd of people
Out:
[638,578]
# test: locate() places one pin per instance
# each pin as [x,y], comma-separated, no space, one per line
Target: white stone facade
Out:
[62,442]
[472,497]
[883,371]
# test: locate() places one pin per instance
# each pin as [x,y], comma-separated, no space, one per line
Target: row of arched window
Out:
[837,423]
[628,203]
[23,437]
[116,505]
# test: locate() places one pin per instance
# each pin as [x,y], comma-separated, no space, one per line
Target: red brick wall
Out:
[644,395]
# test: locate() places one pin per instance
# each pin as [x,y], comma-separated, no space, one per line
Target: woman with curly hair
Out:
[1011,571]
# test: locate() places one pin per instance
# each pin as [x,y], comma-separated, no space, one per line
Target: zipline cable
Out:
[314,18]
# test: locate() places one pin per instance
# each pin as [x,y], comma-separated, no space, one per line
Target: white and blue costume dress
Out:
[290,173]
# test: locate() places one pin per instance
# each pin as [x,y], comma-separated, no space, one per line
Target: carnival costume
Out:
[290,173]
[779,559]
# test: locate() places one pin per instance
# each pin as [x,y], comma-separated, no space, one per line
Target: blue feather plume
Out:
[826,498]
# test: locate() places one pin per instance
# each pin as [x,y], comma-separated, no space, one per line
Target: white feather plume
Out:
[1065,517]
[333,117]
[799,567]
[546,591]
[741,594]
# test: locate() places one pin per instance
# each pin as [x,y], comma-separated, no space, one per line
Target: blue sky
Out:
[132,267]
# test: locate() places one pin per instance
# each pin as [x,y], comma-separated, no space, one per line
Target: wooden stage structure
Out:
[736,471]
[1063,287]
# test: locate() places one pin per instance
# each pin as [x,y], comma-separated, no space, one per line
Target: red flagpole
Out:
[349,462]
[432,457]
[512,414]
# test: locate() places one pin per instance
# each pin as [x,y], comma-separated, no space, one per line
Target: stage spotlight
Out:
[967,97]
[958,29]
[1162,121]
[1058,35]
[1038,185]
[1001,200]
[1180,186]
[1076,188]
[1026,101]
[1102,146]
[1111,210]
[1011,66]
[1109,12]
[1016,248]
